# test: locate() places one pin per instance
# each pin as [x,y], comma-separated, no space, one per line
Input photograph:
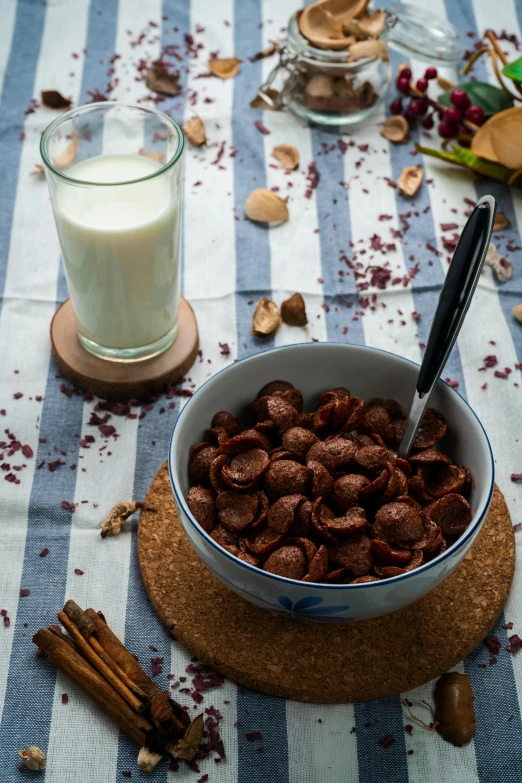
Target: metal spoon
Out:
[454,301]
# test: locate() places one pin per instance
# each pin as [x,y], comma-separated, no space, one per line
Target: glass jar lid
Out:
[416,33]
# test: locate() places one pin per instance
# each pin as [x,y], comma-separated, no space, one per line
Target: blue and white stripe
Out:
[229,263]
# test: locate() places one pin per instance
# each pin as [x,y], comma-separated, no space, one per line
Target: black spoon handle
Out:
[457,292]
[455,297]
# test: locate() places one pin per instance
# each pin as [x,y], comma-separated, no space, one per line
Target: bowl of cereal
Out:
[285,477]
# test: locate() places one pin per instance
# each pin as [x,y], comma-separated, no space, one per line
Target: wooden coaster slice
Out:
[317,662]
[122,380]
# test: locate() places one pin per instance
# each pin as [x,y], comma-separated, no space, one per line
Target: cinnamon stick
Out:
[87,629]
[87,678]
[56,630]
[161,710]
[88,652]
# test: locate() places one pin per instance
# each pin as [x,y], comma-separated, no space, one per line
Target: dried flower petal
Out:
[33,758]
[268,51]
[517,312]
[158,79]
[287,155]
[396,129]
[515,644]
[410,180]
[38,170]
[64,159]
[53,99]
[113,523]
[225,68]
[502,268]
[387,741]
[293,311]
[266,318]
[501,222]
[194,130]
[265,206]
[147,760]
[261,128]
[258,102]
[187,747]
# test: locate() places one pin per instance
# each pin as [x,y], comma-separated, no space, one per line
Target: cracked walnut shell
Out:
[266,318]
[410,180]
[194,130]
[396,129]
[287,155]
[225,68]
[265,206]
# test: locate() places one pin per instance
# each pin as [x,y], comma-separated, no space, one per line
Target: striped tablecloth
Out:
[228,263]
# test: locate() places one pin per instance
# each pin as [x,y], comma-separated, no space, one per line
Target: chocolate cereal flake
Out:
[319,496]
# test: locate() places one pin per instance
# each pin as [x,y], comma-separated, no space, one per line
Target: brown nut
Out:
[454,711]
[293,311]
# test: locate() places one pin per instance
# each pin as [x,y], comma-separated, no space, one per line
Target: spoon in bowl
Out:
[454,301]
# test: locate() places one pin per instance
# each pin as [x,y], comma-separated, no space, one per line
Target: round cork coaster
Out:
[318,662]
[122,380]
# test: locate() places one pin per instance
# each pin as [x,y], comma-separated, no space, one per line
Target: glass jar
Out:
[326,88]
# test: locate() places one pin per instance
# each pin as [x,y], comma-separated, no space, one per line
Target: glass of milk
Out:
[114,172]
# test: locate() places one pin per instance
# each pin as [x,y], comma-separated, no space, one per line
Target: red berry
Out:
[453,115]
[459,98]
[427,122]
[410,116]
[418,106]
[475,114]
[431,73]
[422,85]
[405,73]
[403,85]
[447,129]
[396,106]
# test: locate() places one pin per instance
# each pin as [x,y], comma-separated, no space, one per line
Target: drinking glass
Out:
[114,172]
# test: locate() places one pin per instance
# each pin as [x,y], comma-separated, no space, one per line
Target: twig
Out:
[494,62]
[428,727]
[494,43]
[514,176]
[496,46]
[493,52]
[473,58]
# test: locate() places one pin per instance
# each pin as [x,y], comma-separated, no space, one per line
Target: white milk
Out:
[121,246]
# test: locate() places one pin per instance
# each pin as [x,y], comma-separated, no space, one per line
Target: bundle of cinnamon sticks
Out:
[111,676]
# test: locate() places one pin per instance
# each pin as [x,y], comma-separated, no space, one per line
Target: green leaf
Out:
[513,70]
[451,157]
[492,99]
[464,157]
[485,167]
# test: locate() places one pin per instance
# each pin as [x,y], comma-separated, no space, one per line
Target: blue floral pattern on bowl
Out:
[308,609]
[304,609]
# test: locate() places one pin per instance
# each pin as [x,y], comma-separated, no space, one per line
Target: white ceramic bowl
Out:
[314,368]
